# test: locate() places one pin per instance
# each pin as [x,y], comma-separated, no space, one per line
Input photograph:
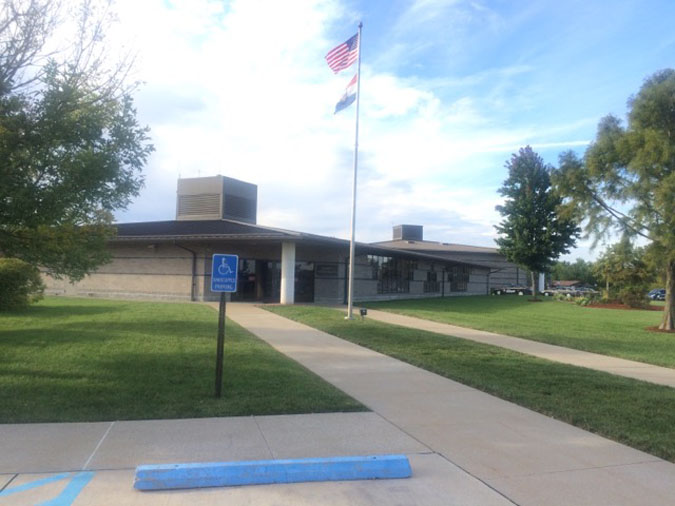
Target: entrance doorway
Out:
[260,281]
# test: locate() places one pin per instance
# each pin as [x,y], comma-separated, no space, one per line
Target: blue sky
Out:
[449,90]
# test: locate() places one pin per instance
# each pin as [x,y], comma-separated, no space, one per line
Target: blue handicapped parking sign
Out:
[224,273]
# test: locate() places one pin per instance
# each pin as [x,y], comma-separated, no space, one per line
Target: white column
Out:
[542,282]
[287,273]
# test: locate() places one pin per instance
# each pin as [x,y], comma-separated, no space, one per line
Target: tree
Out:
[20,284]
[532,234]
[580,270]
[626,180]
[655,265]
[71,150]
[625,272]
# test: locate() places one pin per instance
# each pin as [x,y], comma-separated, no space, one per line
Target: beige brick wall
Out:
[164,271]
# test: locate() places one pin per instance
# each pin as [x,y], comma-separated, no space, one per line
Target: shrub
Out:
[634,297]
[606,298]
[20,284]
[586,300]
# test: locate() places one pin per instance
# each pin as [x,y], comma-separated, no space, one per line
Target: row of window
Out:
[458,277]
[393,275]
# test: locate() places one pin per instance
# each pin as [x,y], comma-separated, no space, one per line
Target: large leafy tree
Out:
[626,180]
[532,234]
[71,150]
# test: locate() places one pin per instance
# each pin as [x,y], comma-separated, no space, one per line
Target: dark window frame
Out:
[458,276]
[393,274]
[432,284]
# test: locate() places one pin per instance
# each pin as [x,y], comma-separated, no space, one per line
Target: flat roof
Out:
[437,246]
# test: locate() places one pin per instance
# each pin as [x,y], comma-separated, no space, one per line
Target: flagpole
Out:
[350,296]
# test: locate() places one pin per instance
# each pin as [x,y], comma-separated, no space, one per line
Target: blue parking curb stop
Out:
[258,472]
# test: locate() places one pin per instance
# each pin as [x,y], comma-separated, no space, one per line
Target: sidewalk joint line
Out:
[484,482]
[98,446]
[432,451]
[571,470]
[9,482]
[255,419]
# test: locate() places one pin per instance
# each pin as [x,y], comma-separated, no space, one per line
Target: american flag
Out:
[343,55]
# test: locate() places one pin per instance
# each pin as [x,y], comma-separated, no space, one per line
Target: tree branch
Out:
[618,215]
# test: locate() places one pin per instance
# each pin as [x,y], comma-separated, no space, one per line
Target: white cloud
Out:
[230,90]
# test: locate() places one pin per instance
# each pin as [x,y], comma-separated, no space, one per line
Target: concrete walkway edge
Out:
[619,366]
[527,457]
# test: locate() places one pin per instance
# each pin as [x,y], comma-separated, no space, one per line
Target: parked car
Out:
[577,291]
[585,291]
[657,294]
[568,292]
[512,290]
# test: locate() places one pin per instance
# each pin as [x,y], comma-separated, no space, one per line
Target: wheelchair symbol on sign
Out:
[224,268]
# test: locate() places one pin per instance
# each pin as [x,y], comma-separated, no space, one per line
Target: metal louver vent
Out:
[199,205]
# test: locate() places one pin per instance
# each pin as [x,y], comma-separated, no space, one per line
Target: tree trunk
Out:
[668,323]
[534,283]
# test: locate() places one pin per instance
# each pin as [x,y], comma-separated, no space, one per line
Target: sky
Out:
[450,89]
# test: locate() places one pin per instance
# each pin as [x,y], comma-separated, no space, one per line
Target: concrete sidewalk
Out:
[57,447]
[619,366]
[529,458]
[38,462]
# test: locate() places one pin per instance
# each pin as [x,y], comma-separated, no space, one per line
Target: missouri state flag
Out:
[349,96]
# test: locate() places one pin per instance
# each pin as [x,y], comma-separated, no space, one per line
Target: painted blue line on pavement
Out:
[227,474]
[72,490]
[33,484]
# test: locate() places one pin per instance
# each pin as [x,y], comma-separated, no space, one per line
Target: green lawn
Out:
[619,333]
[87,360]
[638,414]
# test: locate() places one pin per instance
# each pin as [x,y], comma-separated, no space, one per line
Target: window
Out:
[392,274]
[459,278]
[432,285]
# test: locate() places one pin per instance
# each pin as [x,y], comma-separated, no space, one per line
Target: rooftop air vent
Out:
[198,205]
[215,198]
[408,233]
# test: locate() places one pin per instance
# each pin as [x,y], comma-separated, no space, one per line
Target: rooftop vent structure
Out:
[215,198]
[408,233]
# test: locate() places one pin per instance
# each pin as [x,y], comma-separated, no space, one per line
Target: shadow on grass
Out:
[490,304]
[40,311]
[33,373]
[41,338]
[147,384]
[105,331]
[175,328]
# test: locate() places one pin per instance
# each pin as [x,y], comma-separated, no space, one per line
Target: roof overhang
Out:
[233,231]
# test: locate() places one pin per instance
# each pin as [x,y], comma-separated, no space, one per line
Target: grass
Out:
[639,414]
[618,333]
[67,360]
